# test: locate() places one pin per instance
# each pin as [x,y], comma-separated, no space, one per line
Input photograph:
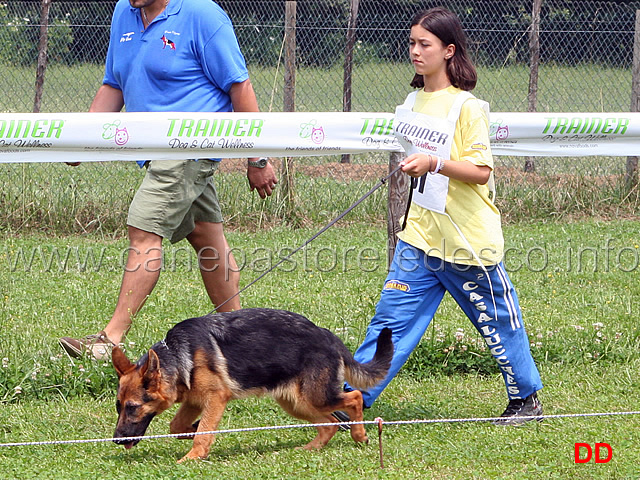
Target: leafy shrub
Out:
[448,353]
[19,38]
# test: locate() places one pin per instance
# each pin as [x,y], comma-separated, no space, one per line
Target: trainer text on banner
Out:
[66,137]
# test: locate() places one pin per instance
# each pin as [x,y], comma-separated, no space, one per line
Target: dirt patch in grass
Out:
[346,172]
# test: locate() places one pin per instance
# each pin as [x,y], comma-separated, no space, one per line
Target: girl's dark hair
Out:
[445,25]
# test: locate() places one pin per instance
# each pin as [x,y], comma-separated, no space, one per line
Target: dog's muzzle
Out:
[126,431]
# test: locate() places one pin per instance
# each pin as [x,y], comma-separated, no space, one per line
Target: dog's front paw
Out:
[199,451]
[192,456]
[310,447]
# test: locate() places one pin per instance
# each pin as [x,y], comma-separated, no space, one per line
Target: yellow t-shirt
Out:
[468,205]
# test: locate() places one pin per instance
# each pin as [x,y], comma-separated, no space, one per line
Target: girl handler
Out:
[452,239]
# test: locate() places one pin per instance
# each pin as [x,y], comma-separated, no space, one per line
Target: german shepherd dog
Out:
[205,362]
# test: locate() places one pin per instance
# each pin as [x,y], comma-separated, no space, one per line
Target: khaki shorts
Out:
[173,196]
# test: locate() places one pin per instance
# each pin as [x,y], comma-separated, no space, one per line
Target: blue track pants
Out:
[414,289]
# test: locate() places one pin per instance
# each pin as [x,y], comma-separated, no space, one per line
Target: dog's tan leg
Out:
[325,434]
[211,416]
[304,411]
[183,420]
[352,404]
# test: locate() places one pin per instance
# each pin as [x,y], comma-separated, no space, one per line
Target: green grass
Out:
[577,284]
[578,288]
[95,197]
[601,89]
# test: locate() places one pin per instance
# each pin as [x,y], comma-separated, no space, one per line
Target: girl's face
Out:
[428,54]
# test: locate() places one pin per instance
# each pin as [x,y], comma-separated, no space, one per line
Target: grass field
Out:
[572,257]
[377,87]
[94,198]
[578,288]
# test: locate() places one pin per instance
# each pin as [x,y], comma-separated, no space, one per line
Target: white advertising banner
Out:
[85,137]
[565,134]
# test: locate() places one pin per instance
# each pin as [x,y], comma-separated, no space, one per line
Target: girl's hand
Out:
[417,164]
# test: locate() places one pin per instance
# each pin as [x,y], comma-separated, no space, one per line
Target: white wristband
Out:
[439,166]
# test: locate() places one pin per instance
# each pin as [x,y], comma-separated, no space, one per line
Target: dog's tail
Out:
[367,375]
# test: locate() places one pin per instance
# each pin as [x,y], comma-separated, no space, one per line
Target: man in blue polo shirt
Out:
[174,55]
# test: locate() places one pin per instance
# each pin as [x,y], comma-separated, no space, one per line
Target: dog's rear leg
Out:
[352,404]
[305,411]
[183,420]
[211,416]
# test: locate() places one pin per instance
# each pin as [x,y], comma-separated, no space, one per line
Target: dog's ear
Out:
[120,361]
[152,367]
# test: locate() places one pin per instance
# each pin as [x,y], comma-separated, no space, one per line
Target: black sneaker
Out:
[342,417]
[520,411]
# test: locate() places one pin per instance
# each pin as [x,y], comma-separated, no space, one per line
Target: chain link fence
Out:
[586,56]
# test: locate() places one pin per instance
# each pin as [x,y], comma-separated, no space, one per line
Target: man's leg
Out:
[144,262]
[218,267]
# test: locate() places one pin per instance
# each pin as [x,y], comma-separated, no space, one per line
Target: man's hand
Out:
[262,179]
[243,99]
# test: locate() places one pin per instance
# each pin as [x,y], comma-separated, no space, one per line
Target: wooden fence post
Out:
[534,64]
[288,163]
[348,64]
[397,204]
[42,54]
[631,175]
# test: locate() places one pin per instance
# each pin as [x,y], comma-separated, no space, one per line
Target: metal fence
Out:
[586,56]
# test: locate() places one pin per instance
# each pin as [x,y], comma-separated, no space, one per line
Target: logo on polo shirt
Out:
[168,43]
[126,37]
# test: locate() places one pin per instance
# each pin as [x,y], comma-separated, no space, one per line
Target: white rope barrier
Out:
[377,421]
[90,137]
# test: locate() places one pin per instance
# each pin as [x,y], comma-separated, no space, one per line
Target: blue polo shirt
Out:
[185,61]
